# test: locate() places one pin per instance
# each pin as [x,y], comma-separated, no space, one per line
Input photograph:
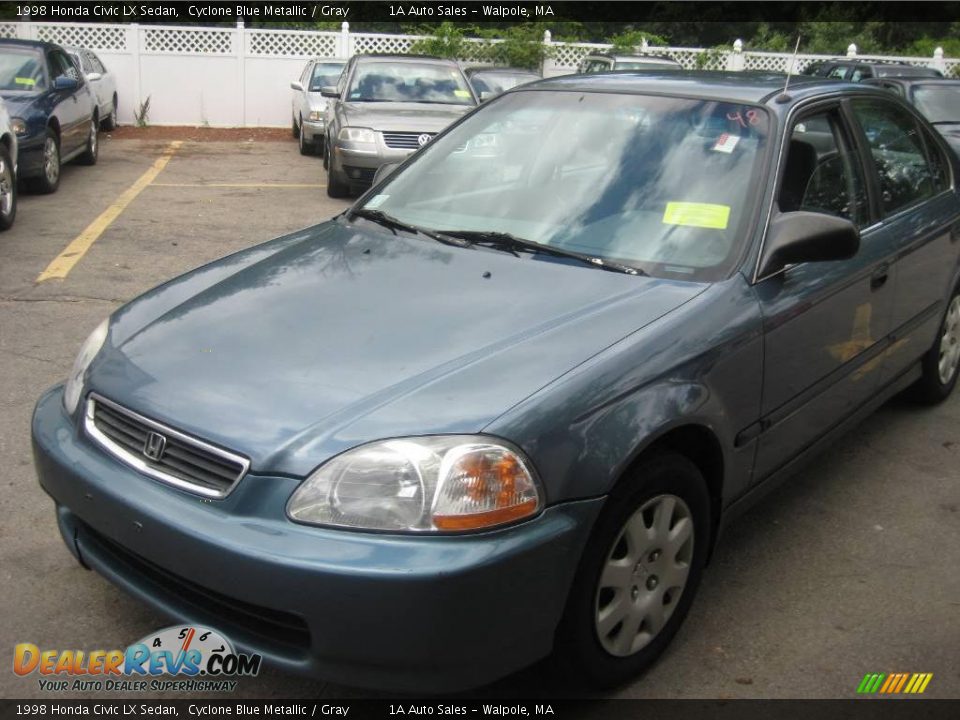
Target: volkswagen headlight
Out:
[88,351]
[445,483]
[357,135]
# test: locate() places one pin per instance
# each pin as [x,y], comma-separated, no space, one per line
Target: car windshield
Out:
[498,82]
[661,184]
[904,70]
[325,75]
[940,104]
[21,69]
[645,65]
[409,82]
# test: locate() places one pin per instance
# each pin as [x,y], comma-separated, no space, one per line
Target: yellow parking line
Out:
[242,185]
[63,263]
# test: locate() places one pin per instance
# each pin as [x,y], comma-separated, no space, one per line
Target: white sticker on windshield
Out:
[376,201]
[726,143]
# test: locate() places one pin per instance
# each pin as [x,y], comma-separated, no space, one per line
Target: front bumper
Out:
[30,156]
[357,167]
[313,131]
[394,612]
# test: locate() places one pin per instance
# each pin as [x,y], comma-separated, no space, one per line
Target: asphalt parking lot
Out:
[851,568]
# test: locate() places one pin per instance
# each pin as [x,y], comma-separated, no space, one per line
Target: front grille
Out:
[359,175]
[404,140]
[258,626]
[161,452]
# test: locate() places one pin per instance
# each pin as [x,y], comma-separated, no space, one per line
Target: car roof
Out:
[497,69]
[35,44]
[913,80]
[616,57]
[745,86]
[405,59]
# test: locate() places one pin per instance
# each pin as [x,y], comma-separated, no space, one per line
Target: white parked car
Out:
[309,107]
[8,170]
[101,80]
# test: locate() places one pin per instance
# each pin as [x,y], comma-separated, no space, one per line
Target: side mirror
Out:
[383,171]
[797,237]
[329,91]
[485,95]
[93,77]
[295,85]
[65,82]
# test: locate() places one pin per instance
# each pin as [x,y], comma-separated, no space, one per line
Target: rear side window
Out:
[840,71]
[97,65]
[899,154]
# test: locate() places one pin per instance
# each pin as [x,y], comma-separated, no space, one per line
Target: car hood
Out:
[316,101]
[399,117]
[352,334]
[17,102]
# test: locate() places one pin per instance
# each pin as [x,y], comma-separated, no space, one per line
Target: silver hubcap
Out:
[51,160]
[93,137]
[644,575]
[6,188]
[950,342]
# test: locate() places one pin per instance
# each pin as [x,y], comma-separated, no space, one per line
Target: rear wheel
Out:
[8,190]
[92,151]
[110,121]
[49,179]
[941,364]
[638,575]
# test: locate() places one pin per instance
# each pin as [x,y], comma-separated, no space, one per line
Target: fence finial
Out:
[345,26]
[547,36]
[738,45]
[851,50]
[644,46]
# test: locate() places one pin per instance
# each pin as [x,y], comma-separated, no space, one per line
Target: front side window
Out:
[22,70]
[60,64]
[662,184]
[409,82]
[821,173]
[897,147]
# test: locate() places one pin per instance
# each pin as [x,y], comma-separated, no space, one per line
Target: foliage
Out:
[446,41]
[522,46]
[631,41]
[712,58]
[142,114]
[767,39]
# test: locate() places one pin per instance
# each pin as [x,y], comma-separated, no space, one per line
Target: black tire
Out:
[931,389]
[92,150]
[49,179]
[579,652]
[294,128]
[336,188]
[8,190]
[306,148]
[110,121]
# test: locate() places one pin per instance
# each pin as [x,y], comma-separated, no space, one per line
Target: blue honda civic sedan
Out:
[501,407]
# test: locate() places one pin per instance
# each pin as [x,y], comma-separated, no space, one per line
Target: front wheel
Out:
[335,187]
[638,575]
[941,364]
[92,150]
[49,179]
[8,190]
[306,148]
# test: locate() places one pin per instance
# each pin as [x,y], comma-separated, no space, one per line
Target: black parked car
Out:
[858,70]
[52,110]
[937,98]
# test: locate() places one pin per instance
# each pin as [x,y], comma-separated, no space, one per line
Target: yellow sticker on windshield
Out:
[703,215]
[25,81]
[461,93]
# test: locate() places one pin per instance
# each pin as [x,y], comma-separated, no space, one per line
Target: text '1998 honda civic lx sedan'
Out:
[501,406]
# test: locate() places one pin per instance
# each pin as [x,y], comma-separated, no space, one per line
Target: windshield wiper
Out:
[392,223]
[514,244]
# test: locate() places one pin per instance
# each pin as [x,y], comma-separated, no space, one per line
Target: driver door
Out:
[825,323]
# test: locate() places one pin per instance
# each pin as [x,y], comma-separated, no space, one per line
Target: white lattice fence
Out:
[291,43]
[90,35]
[187,41]
[8,30]
[569,55]
[370,43]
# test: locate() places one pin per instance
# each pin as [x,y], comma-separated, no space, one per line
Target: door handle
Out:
[879,277]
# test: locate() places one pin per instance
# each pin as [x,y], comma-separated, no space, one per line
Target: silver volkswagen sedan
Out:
[384,108]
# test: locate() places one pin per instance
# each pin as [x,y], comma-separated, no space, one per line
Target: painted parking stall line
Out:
[241,185]
[61,265]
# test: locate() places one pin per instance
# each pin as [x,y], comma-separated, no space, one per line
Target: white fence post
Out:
[938,63]
[851,50]
[343,42]
[25,28]
[242,70]
[547,66]
[735,60]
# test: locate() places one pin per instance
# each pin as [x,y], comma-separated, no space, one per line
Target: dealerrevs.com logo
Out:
[203,655]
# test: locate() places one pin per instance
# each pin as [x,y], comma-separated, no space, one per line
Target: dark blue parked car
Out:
[502,406]
[52,110]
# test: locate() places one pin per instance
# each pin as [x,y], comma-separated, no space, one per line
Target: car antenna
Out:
[783,97]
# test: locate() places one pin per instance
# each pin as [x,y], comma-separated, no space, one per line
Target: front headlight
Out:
[88,351]
[357,135]
[315,115]
[18,125]
[421,484]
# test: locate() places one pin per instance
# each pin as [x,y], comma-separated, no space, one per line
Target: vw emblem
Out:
[423,139]
[154,446]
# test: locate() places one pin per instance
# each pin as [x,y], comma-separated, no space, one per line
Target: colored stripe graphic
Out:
[894,683]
